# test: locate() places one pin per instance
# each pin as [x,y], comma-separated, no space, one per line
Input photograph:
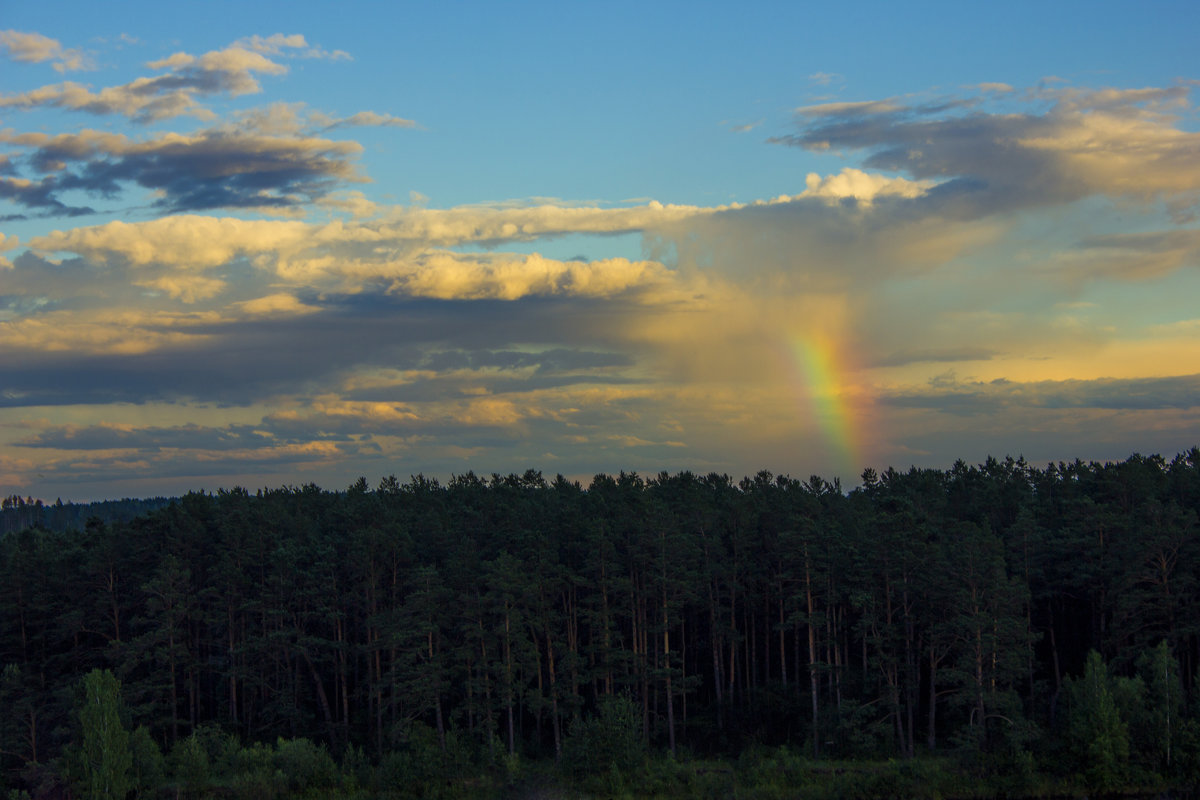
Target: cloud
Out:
[39,195]
[370,118]
[956,354]
[1142,256]
[438,332]
[949,395]
[83,336]
[745,127]
[274,44]
[278,43]
[7,242]
[187,288]
[295,118]
[81,454]
[213,168]
[187,239]
[112,436]
[861,186]
[275,305]
[238,349]
[1120,143]
[847,109]
[187,78]
[826,78]
[34,48]
[145,100]
[299,249]
[453,276]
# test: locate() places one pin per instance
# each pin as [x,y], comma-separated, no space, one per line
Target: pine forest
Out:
[989,630]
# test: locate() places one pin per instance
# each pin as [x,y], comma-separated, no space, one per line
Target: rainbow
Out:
[814,362]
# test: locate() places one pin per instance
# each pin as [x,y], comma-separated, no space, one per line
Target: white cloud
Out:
[273,44]
[280,304]
[34,48]
[188,77]
[195,241]
[861,186]
[503,276]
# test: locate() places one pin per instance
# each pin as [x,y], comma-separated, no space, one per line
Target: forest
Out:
[990,630]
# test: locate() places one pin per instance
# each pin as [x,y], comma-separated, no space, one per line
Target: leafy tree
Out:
[1158,724]
[148,768]
[104,760]
[1098,735]
[609,739]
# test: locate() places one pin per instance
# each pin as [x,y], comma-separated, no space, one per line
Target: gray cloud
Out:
[949,395]
[465,387]
[556,360]
[111,437]
[1132,256]
[943,355]
[1106,141]
[239,361]
[40,196]
[214,168]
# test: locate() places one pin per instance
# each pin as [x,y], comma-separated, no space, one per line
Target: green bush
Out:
[304,765]
[190,766]
[607,740]
[421,767]
[149,766]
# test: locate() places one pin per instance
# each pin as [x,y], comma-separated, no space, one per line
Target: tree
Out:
[1161,716]
[104,758]
[1098,735]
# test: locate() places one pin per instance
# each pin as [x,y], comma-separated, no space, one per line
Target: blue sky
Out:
[257,244]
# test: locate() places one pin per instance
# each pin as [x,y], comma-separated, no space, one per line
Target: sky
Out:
[268,244]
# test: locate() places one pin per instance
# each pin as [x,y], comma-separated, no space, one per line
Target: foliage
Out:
[104,760]
[1097,733]
[148,767]
[607,741]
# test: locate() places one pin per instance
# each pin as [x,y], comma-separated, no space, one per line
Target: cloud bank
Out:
[996,269]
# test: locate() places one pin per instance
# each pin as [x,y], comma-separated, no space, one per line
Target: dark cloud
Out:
[39,195]
[555,360]
[903,357]
[1107,141]
[948,395]
[107,437]
[975,156]
[428,389]
[186,474]
[215,168]
[238,362]
[1134,256]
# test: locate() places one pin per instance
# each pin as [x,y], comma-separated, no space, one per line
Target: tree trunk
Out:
[813,677]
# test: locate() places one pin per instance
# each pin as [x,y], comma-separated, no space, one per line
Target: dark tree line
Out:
[924,610]
[18,513]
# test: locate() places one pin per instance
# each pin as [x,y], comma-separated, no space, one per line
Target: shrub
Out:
[610,739]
